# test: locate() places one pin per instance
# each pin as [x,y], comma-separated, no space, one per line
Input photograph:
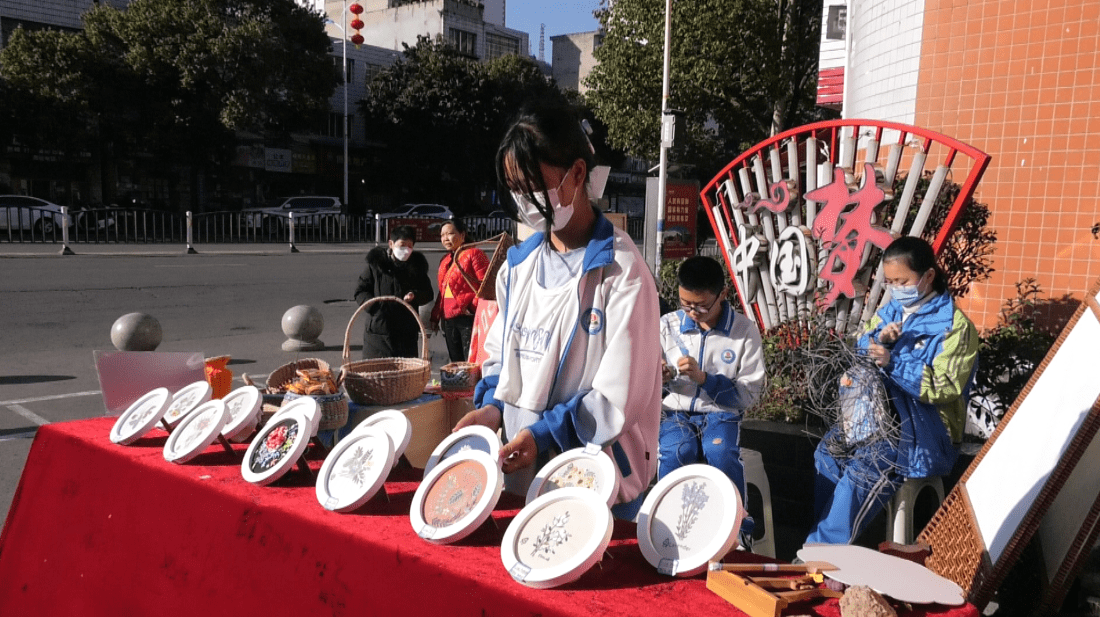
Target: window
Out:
[338,69]
[335,125]
[497,46]
[464,42]
[373,70]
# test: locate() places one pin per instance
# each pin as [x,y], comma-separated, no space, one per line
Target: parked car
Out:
[24,213]
[307,210]
[419,210]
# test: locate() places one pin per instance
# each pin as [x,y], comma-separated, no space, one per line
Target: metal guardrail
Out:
[136,226]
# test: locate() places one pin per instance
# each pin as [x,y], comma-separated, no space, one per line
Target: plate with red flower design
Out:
[276,448]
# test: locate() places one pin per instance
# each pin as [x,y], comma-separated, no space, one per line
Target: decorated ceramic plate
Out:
[396,425]
[890,576]
[306,406]
[689,518]
[141,416]
[355,469]
[588,467]
[185,399]
[456,497]
[244,405]
[473,437]
[556,538]
[276,448]
[196,431]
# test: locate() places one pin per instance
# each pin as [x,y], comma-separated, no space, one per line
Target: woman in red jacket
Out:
[460,274]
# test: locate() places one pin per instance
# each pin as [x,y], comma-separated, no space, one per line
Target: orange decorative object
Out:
[218,375]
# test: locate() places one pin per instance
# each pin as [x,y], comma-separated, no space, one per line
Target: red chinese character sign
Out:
[681,206]
[802,224]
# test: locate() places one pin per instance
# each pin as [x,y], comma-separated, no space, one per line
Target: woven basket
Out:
[386,381]
[459,376]
[283,376]
[503,242]
[334,408]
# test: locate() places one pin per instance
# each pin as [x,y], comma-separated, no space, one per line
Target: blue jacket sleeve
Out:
[558,426]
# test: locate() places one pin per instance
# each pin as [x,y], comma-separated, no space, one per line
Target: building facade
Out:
[1020,81]
[573,58]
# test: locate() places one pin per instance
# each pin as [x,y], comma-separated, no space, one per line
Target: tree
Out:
[741,70]
[442,115]
[175,79]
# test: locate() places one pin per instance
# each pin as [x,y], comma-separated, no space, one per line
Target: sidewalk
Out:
[47,249]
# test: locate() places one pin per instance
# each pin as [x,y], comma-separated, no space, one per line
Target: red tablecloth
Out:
[101,529]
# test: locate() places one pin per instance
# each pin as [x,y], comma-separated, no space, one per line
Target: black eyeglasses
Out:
[699,309]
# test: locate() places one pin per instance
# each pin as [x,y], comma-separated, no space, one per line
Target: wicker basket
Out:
[283,376]
[333,407]
[459,376]
[503,242]
[386,381]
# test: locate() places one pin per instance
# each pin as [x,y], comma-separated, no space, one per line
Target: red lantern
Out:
[357,39]
[357,24]
[355,9]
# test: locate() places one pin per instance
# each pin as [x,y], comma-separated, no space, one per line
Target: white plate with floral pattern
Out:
[196,431]
[588,467]
[185,399]
[277,447]
[244,405]
[473,437]
[556,538]
[689,518]
[141,416]
[396,424]
[355,469]
[456,497]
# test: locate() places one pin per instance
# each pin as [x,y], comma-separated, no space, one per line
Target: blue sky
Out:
[560,17]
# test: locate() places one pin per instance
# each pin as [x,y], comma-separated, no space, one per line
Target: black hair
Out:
[458,224]
[403,232]
[701,273]
[917,255]
[544,132]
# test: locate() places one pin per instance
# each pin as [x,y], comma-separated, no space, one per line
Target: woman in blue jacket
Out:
[926,351]
[573,351]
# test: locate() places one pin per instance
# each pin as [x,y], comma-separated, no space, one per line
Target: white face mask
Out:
[530,215]
[401,253]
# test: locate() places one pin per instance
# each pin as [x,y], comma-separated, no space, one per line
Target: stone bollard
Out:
[302,325]
[136,332]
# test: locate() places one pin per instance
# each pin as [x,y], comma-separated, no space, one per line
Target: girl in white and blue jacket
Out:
[573,351]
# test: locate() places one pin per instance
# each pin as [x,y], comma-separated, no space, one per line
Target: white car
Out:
[23,213]
[419,210]
[307,210]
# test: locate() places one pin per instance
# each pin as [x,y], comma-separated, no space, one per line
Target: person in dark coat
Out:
[394,270]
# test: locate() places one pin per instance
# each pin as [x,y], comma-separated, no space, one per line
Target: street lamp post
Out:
[668,124]
[344,129]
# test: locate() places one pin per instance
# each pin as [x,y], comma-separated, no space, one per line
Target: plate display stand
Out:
[184,400]
[556,538]
[141,416]
[355,470]
[588,467]
[196,431]
[278,447]
[689,518]
[473,437]
[456,497]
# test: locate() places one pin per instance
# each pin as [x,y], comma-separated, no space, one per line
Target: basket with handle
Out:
[283,376]
[385,381]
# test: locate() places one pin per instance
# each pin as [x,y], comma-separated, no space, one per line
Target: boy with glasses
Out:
[713,369]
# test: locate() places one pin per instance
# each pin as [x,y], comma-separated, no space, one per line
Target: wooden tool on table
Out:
[755,588]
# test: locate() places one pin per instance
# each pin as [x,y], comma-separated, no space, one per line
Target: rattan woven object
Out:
[282,377]
[385,381]
[488,289]
[333,407]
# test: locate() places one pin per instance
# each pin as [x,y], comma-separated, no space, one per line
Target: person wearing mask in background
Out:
[394,270]
[460,274]
[573,352]
[926,353]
